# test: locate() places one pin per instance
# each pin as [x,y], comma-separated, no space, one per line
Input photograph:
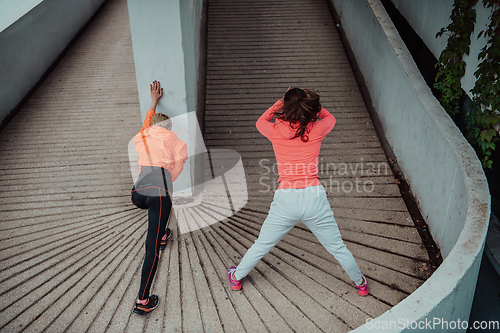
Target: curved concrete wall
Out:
[30,45]
[442,169]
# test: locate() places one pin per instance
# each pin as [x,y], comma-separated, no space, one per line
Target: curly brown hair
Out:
[300,107]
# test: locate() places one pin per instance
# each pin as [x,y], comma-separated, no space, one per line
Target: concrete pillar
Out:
[157,38]
[158,53]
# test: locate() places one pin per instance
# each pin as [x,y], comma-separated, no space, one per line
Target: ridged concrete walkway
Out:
[72,244]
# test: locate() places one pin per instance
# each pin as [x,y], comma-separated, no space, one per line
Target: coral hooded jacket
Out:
[160,147]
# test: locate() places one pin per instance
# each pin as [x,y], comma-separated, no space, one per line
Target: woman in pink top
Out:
[161,158]
[301,123]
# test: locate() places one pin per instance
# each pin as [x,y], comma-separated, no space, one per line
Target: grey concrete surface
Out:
[72,244]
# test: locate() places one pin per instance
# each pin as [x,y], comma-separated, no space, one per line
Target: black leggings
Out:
[158,207]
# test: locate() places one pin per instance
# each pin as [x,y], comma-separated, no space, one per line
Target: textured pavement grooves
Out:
[255,51]
[72,244]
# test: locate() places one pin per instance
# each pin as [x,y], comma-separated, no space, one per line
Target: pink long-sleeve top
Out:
[297,160]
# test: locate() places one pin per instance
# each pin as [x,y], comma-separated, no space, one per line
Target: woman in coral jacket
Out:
[300,126]
[161,159]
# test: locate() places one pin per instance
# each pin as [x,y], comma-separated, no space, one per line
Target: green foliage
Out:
[480,125]
[451,66]
[487,87]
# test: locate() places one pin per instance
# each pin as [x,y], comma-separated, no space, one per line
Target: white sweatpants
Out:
[291,206]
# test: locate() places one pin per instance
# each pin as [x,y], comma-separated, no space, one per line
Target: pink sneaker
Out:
[166,236]
[363,287]
[235,284]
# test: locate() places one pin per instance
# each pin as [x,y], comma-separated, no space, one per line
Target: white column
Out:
[158,55]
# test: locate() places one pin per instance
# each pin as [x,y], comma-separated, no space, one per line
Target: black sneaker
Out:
[145,309]
[163,242]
